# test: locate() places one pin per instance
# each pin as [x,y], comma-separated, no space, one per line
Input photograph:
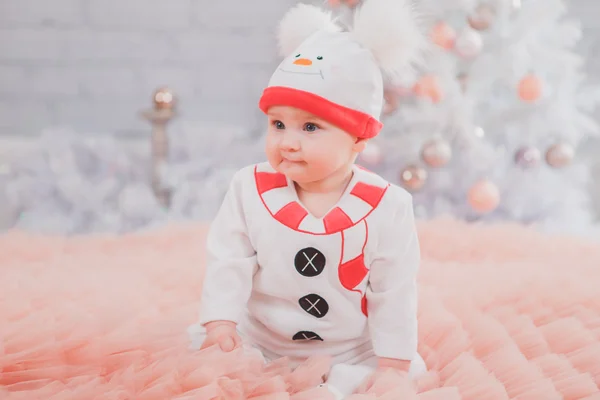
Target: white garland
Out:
[74,183]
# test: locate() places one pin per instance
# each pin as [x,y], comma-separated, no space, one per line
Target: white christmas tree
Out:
[490,127]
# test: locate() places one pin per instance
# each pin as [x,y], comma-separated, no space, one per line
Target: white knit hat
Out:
[337,75]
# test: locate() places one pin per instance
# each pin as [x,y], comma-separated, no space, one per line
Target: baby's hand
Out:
[223,333]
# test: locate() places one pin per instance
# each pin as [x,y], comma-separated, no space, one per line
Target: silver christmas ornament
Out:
[560,155]
[528,157]
[436,153]
[413,178]
[482,18]
[469,43]
[163,99]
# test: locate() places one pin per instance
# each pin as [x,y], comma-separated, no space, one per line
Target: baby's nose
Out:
[289,143]
[303,61]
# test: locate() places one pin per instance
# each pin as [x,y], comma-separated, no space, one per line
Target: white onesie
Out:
[343,285]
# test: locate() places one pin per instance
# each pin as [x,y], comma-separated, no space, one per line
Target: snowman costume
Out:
[343,285]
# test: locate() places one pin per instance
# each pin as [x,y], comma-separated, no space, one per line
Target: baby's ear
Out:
[360,145]
[299,23]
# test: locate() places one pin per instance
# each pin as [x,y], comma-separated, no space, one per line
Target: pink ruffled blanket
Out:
[505,313]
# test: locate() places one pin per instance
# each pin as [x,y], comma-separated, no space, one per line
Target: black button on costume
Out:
[315,305]
[309,262]
[306,335]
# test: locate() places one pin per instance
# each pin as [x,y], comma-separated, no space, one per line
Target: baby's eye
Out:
[310,127]
[278,124]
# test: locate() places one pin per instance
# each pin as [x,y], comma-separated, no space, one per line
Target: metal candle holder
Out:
[162,113]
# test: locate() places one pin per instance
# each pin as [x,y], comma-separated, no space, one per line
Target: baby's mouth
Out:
[303,73]
[291,160]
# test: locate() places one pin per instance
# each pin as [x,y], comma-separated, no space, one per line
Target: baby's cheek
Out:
[273,156]
[320,154]
[325,159]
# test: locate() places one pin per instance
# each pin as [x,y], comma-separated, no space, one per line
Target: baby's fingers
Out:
[237,340]
[207,343]
[227,343]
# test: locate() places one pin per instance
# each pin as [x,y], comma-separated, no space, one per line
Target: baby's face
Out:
[305,148]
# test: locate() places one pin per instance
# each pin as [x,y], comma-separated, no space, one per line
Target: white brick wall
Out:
[36,13]
[140,14]
[93,64]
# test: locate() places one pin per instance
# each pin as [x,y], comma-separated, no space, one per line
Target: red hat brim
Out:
[356,123]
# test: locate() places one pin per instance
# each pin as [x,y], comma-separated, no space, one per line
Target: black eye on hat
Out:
[319,57]
[297,55]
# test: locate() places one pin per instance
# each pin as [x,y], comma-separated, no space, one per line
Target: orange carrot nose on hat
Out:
[337,75]
[303,61]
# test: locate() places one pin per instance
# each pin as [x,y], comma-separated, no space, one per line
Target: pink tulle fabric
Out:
[505,313]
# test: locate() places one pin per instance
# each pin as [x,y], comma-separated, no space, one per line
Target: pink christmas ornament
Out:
[530,88]
[484,196]
[436,153]
[443,35]
[560,155]
[338,3]
[429,86]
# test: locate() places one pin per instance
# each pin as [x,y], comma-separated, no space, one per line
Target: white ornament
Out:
[479,132]
[560,155]
[469,43]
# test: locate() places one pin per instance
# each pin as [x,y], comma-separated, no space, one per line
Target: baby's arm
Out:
[392,290]
[230,267]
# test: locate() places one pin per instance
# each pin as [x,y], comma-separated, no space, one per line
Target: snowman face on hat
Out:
[306,64]
[319,58]
[332,65]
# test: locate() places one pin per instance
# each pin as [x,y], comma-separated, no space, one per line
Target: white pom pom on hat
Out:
[390,30]
[337,75]
[299,24]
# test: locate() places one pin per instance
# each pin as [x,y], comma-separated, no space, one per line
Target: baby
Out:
[309,253]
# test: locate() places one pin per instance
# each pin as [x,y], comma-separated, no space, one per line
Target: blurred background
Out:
[124,115]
